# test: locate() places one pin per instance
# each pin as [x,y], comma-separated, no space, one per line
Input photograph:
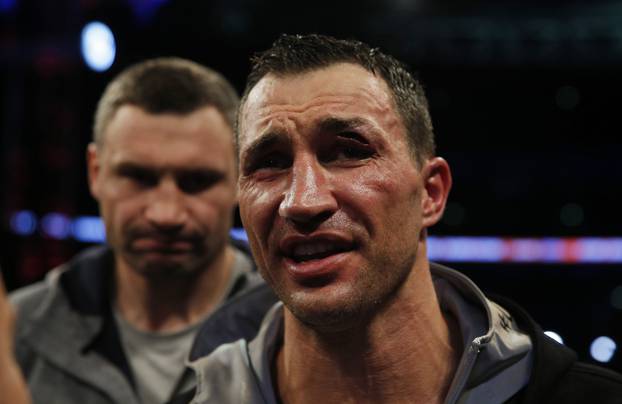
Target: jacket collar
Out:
[497,357]
[551,359]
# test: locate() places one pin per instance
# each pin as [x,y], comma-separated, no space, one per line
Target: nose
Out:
[309,199]
[166,208]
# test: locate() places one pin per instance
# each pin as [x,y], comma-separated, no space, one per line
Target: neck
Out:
[407,350]
[168,304]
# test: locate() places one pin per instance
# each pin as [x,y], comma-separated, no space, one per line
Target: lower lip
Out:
[318,268]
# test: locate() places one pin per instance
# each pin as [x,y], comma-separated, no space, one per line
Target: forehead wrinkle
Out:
[368,95]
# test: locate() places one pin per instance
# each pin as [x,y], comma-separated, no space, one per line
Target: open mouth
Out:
[317,250]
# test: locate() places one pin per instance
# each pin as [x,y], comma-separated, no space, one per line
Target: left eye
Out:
[347,150]
[350,152]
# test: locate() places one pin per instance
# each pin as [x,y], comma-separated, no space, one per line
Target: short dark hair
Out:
[294,54]
[166,85]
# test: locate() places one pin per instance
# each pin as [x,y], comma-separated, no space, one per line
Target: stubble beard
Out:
[168,268]
[351,305]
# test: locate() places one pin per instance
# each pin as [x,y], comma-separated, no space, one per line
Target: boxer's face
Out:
[329,193]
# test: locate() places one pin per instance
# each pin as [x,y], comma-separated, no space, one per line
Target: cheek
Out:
[383,197]
[258,211]
[257,207]
[213,210]
[118,215]
[126,211]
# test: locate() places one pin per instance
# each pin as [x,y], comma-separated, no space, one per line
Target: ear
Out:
[93,168]
[437,183]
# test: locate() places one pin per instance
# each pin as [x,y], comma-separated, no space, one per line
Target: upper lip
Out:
[293,245]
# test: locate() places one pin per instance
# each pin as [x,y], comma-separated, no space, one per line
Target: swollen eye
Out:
[356,152]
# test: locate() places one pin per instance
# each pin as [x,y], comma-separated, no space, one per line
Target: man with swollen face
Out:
[115,325]
[338,184]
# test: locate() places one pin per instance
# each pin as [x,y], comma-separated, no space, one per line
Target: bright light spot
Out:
[602,349]
[89,229]
[56,225]
[554,336]
[98,46]
[24,223]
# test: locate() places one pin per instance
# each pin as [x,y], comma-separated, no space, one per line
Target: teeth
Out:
[312,249]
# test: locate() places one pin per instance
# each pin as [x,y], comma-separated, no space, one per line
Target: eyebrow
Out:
[334,124]
[130,166]
[327,125]
[265,142]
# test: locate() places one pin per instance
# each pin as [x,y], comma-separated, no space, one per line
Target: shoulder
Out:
[30,300]
[585,383]
[557,376]
[54,295]
[225,376]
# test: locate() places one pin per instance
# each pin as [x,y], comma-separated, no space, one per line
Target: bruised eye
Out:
[354,152]
[348,147]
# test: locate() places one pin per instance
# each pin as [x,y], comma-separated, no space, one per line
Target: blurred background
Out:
[526,97]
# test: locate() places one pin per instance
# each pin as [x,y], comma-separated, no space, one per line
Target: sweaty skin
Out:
[336,210]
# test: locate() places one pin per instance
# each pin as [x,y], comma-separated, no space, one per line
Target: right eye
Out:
[271,161]
[139,176]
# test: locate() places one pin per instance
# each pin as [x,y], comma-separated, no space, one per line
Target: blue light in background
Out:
[98,46]
[7,5]
[238,233]
[24,223]
[145,10]
[596,249]
[89,229]
[546,250]
[466,249]
[56,225]
[602,349]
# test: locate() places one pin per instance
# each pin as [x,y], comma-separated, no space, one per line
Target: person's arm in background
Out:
[13,388]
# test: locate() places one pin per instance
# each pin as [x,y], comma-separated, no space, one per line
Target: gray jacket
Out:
[507,358]
[495,366]
[67,341]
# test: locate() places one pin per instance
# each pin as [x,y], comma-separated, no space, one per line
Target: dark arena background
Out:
[526,97]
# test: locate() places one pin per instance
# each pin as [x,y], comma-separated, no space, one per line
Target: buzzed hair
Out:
[166,85]
[295,54]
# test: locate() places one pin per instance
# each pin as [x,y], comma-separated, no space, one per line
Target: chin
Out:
[162,269]
[329,313]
